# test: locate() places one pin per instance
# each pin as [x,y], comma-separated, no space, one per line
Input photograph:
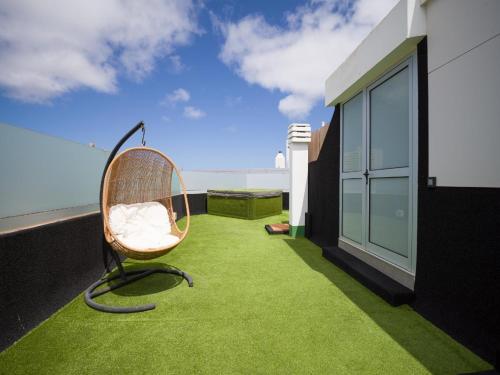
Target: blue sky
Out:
[216,89]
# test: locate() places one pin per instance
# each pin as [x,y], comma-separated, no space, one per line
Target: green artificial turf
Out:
[260,305]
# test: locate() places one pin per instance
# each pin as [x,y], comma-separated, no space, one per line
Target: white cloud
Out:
[54,46]
[297,59]
[193,113]
[179,95]
[296,106]
[176,64]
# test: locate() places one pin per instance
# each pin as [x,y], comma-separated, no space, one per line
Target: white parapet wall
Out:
[299,137]
[199,181]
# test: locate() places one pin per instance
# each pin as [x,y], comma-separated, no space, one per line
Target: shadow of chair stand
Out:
[114,247]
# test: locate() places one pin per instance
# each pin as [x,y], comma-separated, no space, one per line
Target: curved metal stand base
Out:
[127,278]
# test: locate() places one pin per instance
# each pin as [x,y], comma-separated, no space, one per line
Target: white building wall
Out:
[199,181]
[299,158]
[299,137]
[464,92]
[269,179]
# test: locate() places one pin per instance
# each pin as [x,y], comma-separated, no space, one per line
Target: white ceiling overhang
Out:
[394,38]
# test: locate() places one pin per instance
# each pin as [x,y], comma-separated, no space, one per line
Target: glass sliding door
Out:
[389,123]
[377,168]
[352,212]
[352,165]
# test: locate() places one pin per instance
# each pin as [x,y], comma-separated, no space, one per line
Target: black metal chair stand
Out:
[127,277]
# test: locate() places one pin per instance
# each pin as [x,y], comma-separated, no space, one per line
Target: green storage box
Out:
[245,203]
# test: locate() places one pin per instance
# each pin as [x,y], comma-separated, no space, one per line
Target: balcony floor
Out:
[260,304]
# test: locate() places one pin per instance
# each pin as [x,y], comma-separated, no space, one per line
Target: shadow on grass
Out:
[151,284]
[436,351]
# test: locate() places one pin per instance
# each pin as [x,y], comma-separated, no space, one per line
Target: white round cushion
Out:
[142,225]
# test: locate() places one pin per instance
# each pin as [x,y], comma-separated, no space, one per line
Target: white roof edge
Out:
[244,170]
[387,44]
[50,136]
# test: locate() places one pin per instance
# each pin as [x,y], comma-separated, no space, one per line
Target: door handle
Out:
[366,174]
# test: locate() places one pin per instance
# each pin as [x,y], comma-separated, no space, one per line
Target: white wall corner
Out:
[416,19]
[299,136]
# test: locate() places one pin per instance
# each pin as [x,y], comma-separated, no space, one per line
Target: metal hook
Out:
[143,128]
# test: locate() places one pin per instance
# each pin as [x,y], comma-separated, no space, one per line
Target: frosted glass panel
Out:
[176,185]
[389,213]
[352,133]
[351,209]
[44,173]
[389,122]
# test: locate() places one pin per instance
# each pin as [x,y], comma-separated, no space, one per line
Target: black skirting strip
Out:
[382,285]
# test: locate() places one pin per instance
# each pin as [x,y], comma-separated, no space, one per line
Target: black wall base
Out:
[44,268]
[197,204]
[286,200]
[458,265]
[380,284]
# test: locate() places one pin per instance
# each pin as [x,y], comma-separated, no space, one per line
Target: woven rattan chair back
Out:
[140,175]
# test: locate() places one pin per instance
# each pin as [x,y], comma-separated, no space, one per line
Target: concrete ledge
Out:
[27,221]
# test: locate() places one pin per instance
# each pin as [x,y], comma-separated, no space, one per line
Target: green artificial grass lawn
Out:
[260,305]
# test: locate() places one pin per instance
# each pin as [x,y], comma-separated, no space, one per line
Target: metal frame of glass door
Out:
[406,263]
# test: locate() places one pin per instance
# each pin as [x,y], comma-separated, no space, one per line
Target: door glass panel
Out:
[351,208]
[389,122]
[389,213]
[352,133]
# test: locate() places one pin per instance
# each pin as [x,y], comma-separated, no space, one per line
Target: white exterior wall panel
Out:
[464,92]
[456,26]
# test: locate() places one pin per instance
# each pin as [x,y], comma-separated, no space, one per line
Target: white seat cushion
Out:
[142,225]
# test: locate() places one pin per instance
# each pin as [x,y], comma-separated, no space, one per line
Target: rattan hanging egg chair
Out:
[141,175]
[137,175]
